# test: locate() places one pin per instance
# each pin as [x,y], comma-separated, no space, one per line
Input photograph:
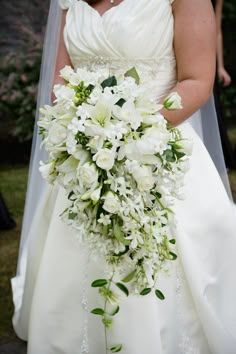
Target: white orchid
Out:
[128,113]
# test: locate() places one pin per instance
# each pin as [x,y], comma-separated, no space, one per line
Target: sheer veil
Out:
[204,122]
[36,185]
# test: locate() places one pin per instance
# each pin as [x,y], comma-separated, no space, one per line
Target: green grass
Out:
[13,181]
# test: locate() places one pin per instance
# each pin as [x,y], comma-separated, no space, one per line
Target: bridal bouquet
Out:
[122,165]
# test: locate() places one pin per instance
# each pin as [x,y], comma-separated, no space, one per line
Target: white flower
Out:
[69,165]
[128,113]
[143,177]
[47,171]
[111,203]
[66,72]
[65,94]
[96,143]
[105,159]
[95,195]
[104,219]
[186,146]
[173,101]
[87,173]
[57,134]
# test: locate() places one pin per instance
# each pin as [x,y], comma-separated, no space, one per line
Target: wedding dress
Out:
[53,297]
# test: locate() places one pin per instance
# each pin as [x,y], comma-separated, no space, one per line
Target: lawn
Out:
[13,181]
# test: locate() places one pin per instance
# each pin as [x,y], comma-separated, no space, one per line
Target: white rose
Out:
[111,203]
[66,72]
[105,159]
[95,195]
[173,101]
[143,177]
[186,146]
[87,173]
[57,134]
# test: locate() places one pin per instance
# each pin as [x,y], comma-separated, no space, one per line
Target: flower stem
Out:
[105,307]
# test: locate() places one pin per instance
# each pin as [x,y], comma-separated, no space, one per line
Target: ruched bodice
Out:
[95,40]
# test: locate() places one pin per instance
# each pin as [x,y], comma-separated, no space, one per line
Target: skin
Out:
[224,76]
[195,50]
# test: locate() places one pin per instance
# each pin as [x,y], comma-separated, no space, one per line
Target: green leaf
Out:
[129,277]
[121,253]
[145,291]
[117,309]
[99,282]
[133,73]
[120,102]
[174,256]
[159,294]
[111,81]
[116,349]
[123,288]
[98,311]
[119,234]
[179,154]
[173,241]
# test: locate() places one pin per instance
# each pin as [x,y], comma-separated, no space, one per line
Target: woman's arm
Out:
[195,50]
[222,73]
[63,58]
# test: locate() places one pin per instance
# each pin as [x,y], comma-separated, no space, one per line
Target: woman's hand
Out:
[224,76]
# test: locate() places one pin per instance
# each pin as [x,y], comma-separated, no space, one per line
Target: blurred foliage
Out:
[20,57]
[18,91]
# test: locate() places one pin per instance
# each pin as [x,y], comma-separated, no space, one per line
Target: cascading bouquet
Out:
[122,165]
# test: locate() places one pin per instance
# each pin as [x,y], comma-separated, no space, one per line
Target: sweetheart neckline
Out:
[105,12]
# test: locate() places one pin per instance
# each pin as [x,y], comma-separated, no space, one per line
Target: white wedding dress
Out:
[53,296]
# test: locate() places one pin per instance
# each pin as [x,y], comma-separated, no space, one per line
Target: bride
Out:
[172,45]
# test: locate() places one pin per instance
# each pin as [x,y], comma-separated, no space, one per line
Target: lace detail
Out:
[84,349]
[147,67]
[185,344]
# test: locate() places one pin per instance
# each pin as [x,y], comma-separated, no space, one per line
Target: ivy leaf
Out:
[98,311]
[120,102]
[173,241]
[121,253]
[129,277]
[116,349]
[111,81]
[145,291]
[159,294]
[117,309]
[133,73]
[123,288]
[173,255]
[99,282]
